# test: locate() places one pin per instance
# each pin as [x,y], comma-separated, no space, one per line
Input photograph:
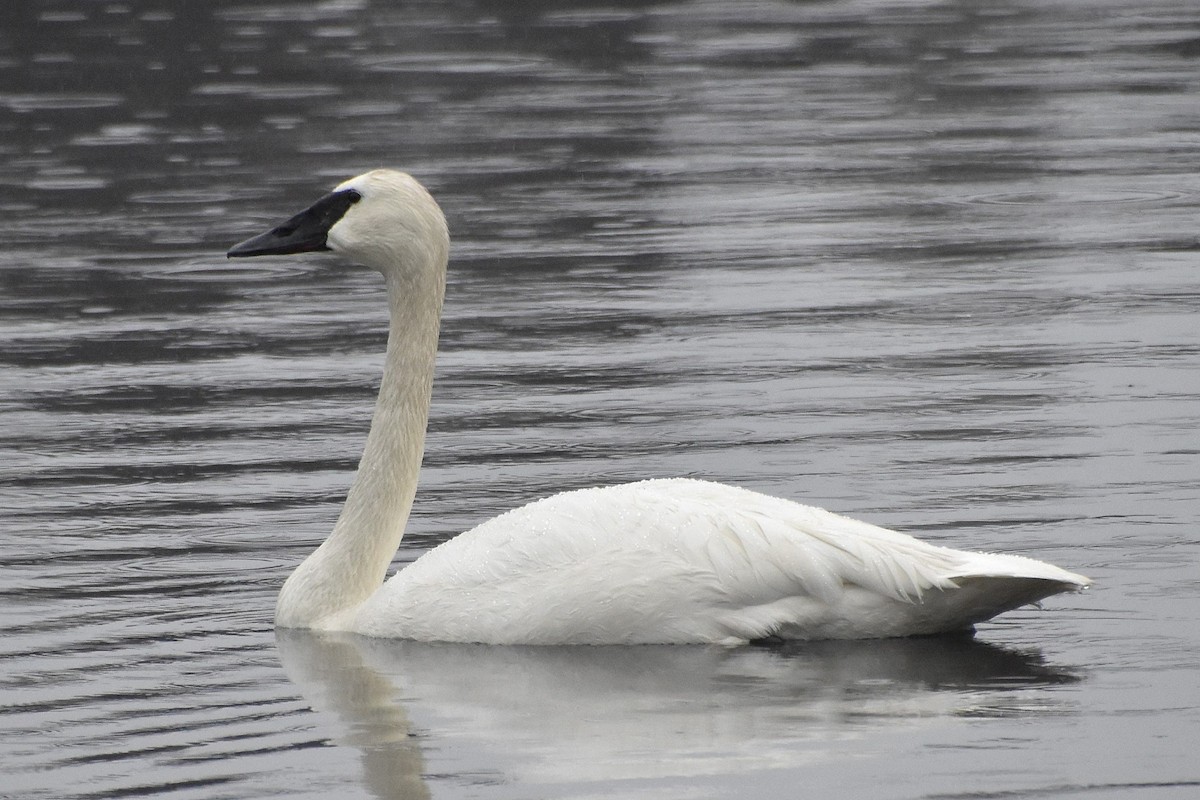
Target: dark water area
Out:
[933,265]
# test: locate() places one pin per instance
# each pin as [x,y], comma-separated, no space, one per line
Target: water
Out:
[932,265]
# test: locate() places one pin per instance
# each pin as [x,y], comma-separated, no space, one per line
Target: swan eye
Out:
[328,210]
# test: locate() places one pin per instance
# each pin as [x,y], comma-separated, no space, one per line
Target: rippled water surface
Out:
[934,265]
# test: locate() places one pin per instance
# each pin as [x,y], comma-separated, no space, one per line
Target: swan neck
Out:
[353,562]
[382,493]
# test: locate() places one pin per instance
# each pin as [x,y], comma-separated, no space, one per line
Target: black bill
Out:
[304,233]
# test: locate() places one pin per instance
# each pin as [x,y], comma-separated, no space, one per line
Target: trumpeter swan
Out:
[660,561]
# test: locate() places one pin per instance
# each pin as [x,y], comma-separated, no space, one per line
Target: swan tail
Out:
[982,586]
[1002,567]
[988,584]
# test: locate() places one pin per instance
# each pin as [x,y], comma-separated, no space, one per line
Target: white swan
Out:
[662,561]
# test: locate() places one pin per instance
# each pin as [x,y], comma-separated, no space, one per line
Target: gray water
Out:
[933,265]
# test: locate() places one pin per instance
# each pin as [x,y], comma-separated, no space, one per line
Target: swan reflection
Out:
[587,715]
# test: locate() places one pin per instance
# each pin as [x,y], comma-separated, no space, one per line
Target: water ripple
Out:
[1071,198]
[933,267]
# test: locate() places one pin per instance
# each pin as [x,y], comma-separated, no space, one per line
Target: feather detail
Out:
[681,561]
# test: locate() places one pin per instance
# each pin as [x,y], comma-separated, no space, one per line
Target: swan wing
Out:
[669,561]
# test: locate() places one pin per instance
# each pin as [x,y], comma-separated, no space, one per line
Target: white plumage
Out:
[663,561]
[691,561]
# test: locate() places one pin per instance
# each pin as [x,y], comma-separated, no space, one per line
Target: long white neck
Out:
[353,562]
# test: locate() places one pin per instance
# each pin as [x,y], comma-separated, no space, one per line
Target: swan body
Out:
[659,561]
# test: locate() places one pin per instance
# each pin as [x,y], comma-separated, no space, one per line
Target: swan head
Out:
[382,219]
